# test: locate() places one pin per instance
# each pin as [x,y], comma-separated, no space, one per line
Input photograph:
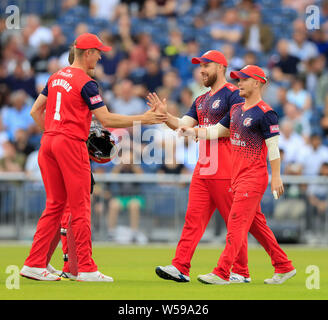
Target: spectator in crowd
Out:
[324,122]
[301,124]
[290,141]
[17,115]
[318,199]
[59,44]
[39,61]
[21,77]
[153,77]
[228,29]
[283,62]
[245,9]
[212,13]
[196,85]
[103,9]
[172,82]
[129,199]
[11,160]
[299,46]
[313,155]
[257,36]
[301,98]
[125,101]
[37,33]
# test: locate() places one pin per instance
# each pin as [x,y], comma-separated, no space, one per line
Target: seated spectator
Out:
[212,13]
[318,199]
[153,77]
[102,9]
[234,62]
[299,46]
[21,77]
[228,30]
[130,199]
[11,160]
[176,44]
[245,9]
[125,101]
[300,122]
[182,63]
[17,115]
[59,44]
[324,121]
[37,33]
[290,141]
[185,100]
[284,61]
[3,138]
[301,98]
[172,82]
[257,36]
[196,85]
[39,61]
[313,155]
[22,144]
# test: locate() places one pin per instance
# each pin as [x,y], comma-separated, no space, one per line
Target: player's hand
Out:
[277,187]
[155,103]
[153,117]
[186,132]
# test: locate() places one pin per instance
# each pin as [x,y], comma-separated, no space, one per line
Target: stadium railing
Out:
[164,203]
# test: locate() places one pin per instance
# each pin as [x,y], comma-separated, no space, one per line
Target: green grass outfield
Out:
[133,271]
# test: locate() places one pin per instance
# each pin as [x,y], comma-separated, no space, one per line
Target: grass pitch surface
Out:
[133,270]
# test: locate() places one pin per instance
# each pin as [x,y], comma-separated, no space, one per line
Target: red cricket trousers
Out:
[65,169]
[204,196]
[246,216]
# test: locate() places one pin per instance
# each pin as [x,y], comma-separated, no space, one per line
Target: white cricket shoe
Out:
[67,276]
[96,276]
[279,278]
[171,273]
[52,270]
[211,278]
[237,278]
[41,274]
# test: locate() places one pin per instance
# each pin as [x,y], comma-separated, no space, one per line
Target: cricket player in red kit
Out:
[253,130]
[210,187]
[64,110]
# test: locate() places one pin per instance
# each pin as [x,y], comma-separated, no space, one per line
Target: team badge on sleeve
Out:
[274,128]
[95,99]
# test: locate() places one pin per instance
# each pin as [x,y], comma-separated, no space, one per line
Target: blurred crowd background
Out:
[153,42]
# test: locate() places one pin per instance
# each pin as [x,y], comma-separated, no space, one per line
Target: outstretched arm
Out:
[114,120]
[209,133]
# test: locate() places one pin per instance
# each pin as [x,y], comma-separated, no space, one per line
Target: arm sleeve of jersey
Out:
[91,96]
[225,121]
[270,124]
[45,90]
[193,111]
[235,98]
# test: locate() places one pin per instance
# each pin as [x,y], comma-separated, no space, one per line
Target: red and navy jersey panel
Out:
[248,131]
[208,109]
[72,94]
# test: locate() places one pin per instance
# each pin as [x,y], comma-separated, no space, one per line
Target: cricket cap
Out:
[211,56]
[90,41]
[250,71]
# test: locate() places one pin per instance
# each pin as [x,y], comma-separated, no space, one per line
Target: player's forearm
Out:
[172,121]
[213,132]
[114,120]
[275,168]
